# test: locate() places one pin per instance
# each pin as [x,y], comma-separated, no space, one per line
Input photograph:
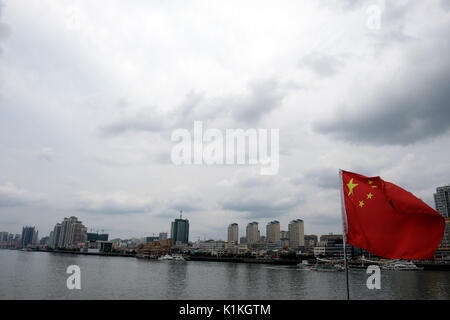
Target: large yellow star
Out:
[350,186]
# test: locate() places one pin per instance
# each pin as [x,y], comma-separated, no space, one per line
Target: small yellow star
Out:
[373,187]
[369,196]
[361,203]
[350,186]
[370,181]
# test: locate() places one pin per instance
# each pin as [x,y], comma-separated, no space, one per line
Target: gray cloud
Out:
[263,98]
[13,196]
[322,64]
[115,203]
[4,28]
[404,109]
[259,196]
[146,120]
[260,99]
[445,4]
[258,206]
[323,177]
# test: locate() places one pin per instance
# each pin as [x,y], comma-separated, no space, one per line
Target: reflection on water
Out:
[38,275]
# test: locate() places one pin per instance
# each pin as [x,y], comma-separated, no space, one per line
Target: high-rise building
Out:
[442,200]
[163,236]
[69,234]
[180,231]
[56,234]
[296,234]
[4,236]
[442,203]
[273,232]
[284,234]
[252,233]
[28,236]
[233,233]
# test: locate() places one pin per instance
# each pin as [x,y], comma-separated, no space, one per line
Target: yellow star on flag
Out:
[350,186]
[361,203]
[369,196]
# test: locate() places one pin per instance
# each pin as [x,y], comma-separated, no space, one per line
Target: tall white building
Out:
[68,234]
[252,233]
[233,233]
[273,232]
[296,234]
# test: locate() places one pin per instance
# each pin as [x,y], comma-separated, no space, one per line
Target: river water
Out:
[41,275]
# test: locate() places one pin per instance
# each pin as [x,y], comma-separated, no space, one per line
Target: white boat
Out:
[178,257]
[401,266]
[304,265]
[166,257]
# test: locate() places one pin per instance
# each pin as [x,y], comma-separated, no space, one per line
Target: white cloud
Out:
[13,196]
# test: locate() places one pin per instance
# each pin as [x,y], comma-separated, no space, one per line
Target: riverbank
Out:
[427,266]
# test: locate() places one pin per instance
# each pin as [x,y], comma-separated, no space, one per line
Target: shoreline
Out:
[427,266]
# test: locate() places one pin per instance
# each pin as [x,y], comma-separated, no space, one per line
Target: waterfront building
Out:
[252,233]
[442,203]
[273,232]
[319,251]
[4,236]
[296,234]
[56,234]
[29,236]
[151,239]
[442,200]
[44,241]
[242,248]
[163,236]
[96,236]
[155,248]
[330,237]
[233,233]
[69,234]
[284,238]
[310,241]
[180,231]
[212,247]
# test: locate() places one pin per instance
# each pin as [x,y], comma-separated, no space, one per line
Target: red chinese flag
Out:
[387,220]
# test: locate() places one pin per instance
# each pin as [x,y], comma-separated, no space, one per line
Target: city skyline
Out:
[235,234]
[88,113]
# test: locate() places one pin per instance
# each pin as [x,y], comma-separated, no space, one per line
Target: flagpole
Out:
[344,231]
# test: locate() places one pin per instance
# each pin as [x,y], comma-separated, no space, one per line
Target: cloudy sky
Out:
[91,91]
